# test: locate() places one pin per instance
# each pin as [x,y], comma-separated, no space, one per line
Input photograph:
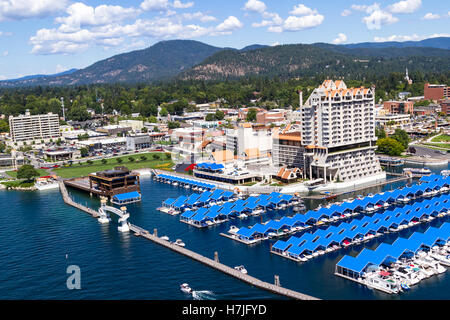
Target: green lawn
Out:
[19,183]
[13,174]
[79,171]
[441,138]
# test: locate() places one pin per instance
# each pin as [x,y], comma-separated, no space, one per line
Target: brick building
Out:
[436,92]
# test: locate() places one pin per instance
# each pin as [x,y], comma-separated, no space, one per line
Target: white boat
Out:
[445,173]
[241,269]
[377,281]
[443,259]
[233,229]
[243,216]
[166,238]
[179,242]
[257,212]
[185,288]
[46,186]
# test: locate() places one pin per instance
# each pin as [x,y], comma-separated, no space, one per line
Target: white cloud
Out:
[378,18]
[346,12]
[255,6]
[405,6]
[154,5]
[275,44]
[431,16]
[81,15]
[198,16]
[179,5]
[22,9]
[341,38]
[413,37]
[294,23]
[302,10]
[230,24]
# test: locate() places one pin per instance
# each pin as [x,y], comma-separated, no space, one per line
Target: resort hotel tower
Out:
[338,134]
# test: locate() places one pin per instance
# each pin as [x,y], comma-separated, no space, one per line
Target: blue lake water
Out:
[38,230]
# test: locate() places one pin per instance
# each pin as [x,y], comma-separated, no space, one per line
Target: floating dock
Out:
[195,256]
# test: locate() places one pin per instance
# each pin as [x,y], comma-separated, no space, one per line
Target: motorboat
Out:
[241,269]
[243,216]
[185,288]
[257,212]
[166,238]
[179,242]
[233,229]
[383,281]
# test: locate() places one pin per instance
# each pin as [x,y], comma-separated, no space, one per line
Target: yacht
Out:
[257,212]
[243,216]
[241,269]
[417,172]
[233,229]
[166,238]
[382,281]
[185,288]
[179,242]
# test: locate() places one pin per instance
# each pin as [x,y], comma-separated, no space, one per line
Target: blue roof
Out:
[127,196]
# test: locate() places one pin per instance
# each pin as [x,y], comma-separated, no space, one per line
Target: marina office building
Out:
[27,128]
[338,132]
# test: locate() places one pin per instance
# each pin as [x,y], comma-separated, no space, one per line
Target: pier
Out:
[138,231]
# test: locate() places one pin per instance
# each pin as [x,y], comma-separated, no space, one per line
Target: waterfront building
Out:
[445,105]
[338,132]
[109,183]
[27,128]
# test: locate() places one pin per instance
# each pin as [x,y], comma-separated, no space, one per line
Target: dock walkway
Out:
[195,256]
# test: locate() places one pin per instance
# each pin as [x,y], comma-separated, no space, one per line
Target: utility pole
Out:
[62,105]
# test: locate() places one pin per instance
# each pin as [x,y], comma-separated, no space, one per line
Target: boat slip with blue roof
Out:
[184,182]
[196,200]
[393,268]
[322,241]
[344,211]
[237,208]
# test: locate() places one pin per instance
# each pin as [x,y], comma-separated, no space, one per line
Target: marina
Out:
[256,259]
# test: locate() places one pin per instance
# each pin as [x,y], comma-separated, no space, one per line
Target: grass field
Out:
[19,183]
[79,171]
[13,174]
[438,145]
[441,138]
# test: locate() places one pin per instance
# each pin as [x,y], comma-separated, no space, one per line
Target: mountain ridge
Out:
[181,59]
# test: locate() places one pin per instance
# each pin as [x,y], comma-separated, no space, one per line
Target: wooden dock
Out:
[138,231]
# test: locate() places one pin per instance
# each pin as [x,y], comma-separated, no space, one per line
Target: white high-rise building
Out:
[338,133]
[27,127]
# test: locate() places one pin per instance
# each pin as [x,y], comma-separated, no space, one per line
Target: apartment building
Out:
[27,128]
[338,132]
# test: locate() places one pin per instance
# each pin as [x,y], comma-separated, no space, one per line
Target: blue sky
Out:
[48,36]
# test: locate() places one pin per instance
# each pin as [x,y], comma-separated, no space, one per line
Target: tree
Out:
[90,162]
[144,130]
[390,147]
[210,117]
[143,158]
[131,159]
[27,172]
[168,156]
[119,160]
[104,161]
[173,124]
[84,152]
[251,114]
[163,112]
[220,115]
[402,137]
[152,119]
[156,156]
[380,133]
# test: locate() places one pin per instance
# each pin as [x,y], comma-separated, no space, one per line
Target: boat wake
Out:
[203,295]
